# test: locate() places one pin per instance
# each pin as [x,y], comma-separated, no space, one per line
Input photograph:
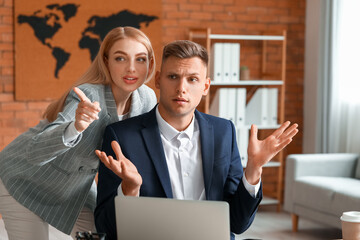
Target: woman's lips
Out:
[130,80]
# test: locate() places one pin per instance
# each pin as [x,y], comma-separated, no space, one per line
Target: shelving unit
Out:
[206,38]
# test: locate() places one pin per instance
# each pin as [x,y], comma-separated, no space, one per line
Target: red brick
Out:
[189,7]
[6,115]
[224,1]
[177,15]
[201,16]
[170,22]
[256,10]
[38,105]
[289,19]
[8,3]
[170,7]
[7,55]
[13,106]
[7,131]
[240,8]
[6,62]
[6,97]
[7,37]
[7,20]
[246,18]
[28,114]
[201,1]
[213,8]
[6,46]
[7,71]
[267,19]
[6,11]
[224,17]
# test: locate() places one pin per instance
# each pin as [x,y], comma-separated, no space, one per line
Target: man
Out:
[174,151]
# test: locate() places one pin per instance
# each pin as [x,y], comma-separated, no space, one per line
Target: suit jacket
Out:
[54,180]
[141,143]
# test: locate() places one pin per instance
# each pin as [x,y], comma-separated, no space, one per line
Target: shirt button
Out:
[81,169]
[186,174]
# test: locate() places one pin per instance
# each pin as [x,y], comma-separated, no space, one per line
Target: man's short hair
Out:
[185,49]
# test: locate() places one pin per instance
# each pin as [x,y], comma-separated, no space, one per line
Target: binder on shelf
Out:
[242,138]
[227,57]
[257,109]
[224,104]
[273,106]
[231,104]
[240,106]
[216,63]
[235,62]
[220,99]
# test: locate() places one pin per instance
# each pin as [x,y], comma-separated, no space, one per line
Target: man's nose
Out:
[181,87]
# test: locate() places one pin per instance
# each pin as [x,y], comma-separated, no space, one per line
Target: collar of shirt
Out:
[169,132]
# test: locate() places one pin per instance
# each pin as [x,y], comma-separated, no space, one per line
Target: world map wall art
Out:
[55,41]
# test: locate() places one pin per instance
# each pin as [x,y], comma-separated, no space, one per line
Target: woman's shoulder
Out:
[145,91]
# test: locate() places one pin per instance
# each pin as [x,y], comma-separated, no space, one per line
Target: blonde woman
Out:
[47,173]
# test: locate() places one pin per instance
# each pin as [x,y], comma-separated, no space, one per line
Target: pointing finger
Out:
[81,94]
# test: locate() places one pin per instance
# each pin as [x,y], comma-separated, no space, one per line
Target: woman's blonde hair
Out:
[98,72]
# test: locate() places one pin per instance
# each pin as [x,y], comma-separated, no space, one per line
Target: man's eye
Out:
[172,76]
[193,79]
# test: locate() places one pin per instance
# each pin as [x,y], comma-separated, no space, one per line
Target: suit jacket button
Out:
[81,169]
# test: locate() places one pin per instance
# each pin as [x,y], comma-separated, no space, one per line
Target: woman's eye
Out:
[142,59]
[119,59]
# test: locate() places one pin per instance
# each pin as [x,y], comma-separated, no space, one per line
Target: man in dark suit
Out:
[174,151]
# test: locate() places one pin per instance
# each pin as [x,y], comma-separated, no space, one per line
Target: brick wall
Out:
[223,16]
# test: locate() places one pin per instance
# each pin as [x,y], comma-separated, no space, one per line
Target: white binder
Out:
[218,106]
[243,141]
[240,107]
[257,108]
[235,62]
[231,105]
[272,106]
[226,62]
[216,63]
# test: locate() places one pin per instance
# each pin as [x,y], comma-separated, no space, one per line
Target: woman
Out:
[47,173]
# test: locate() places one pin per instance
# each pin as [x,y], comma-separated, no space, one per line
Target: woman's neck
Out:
[123,102]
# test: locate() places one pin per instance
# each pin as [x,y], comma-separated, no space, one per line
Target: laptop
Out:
[151,218]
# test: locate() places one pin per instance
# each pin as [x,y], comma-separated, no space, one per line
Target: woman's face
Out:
[128,64]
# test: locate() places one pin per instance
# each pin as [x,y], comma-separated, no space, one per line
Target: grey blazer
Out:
[55,180]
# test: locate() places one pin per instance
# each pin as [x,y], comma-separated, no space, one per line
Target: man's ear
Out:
[207,86]
[157,79]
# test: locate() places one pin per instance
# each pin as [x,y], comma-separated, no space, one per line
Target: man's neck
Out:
[179,122]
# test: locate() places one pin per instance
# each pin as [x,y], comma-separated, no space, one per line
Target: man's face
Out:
[182,83]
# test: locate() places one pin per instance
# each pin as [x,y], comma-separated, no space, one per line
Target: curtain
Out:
[341,96]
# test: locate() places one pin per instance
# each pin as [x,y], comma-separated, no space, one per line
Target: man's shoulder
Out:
[132,122]
[214,120]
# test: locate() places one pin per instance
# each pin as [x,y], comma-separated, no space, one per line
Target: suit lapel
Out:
[207,150]
[110,105]
[154,146]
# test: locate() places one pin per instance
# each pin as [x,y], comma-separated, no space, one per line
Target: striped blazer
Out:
[54,180]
